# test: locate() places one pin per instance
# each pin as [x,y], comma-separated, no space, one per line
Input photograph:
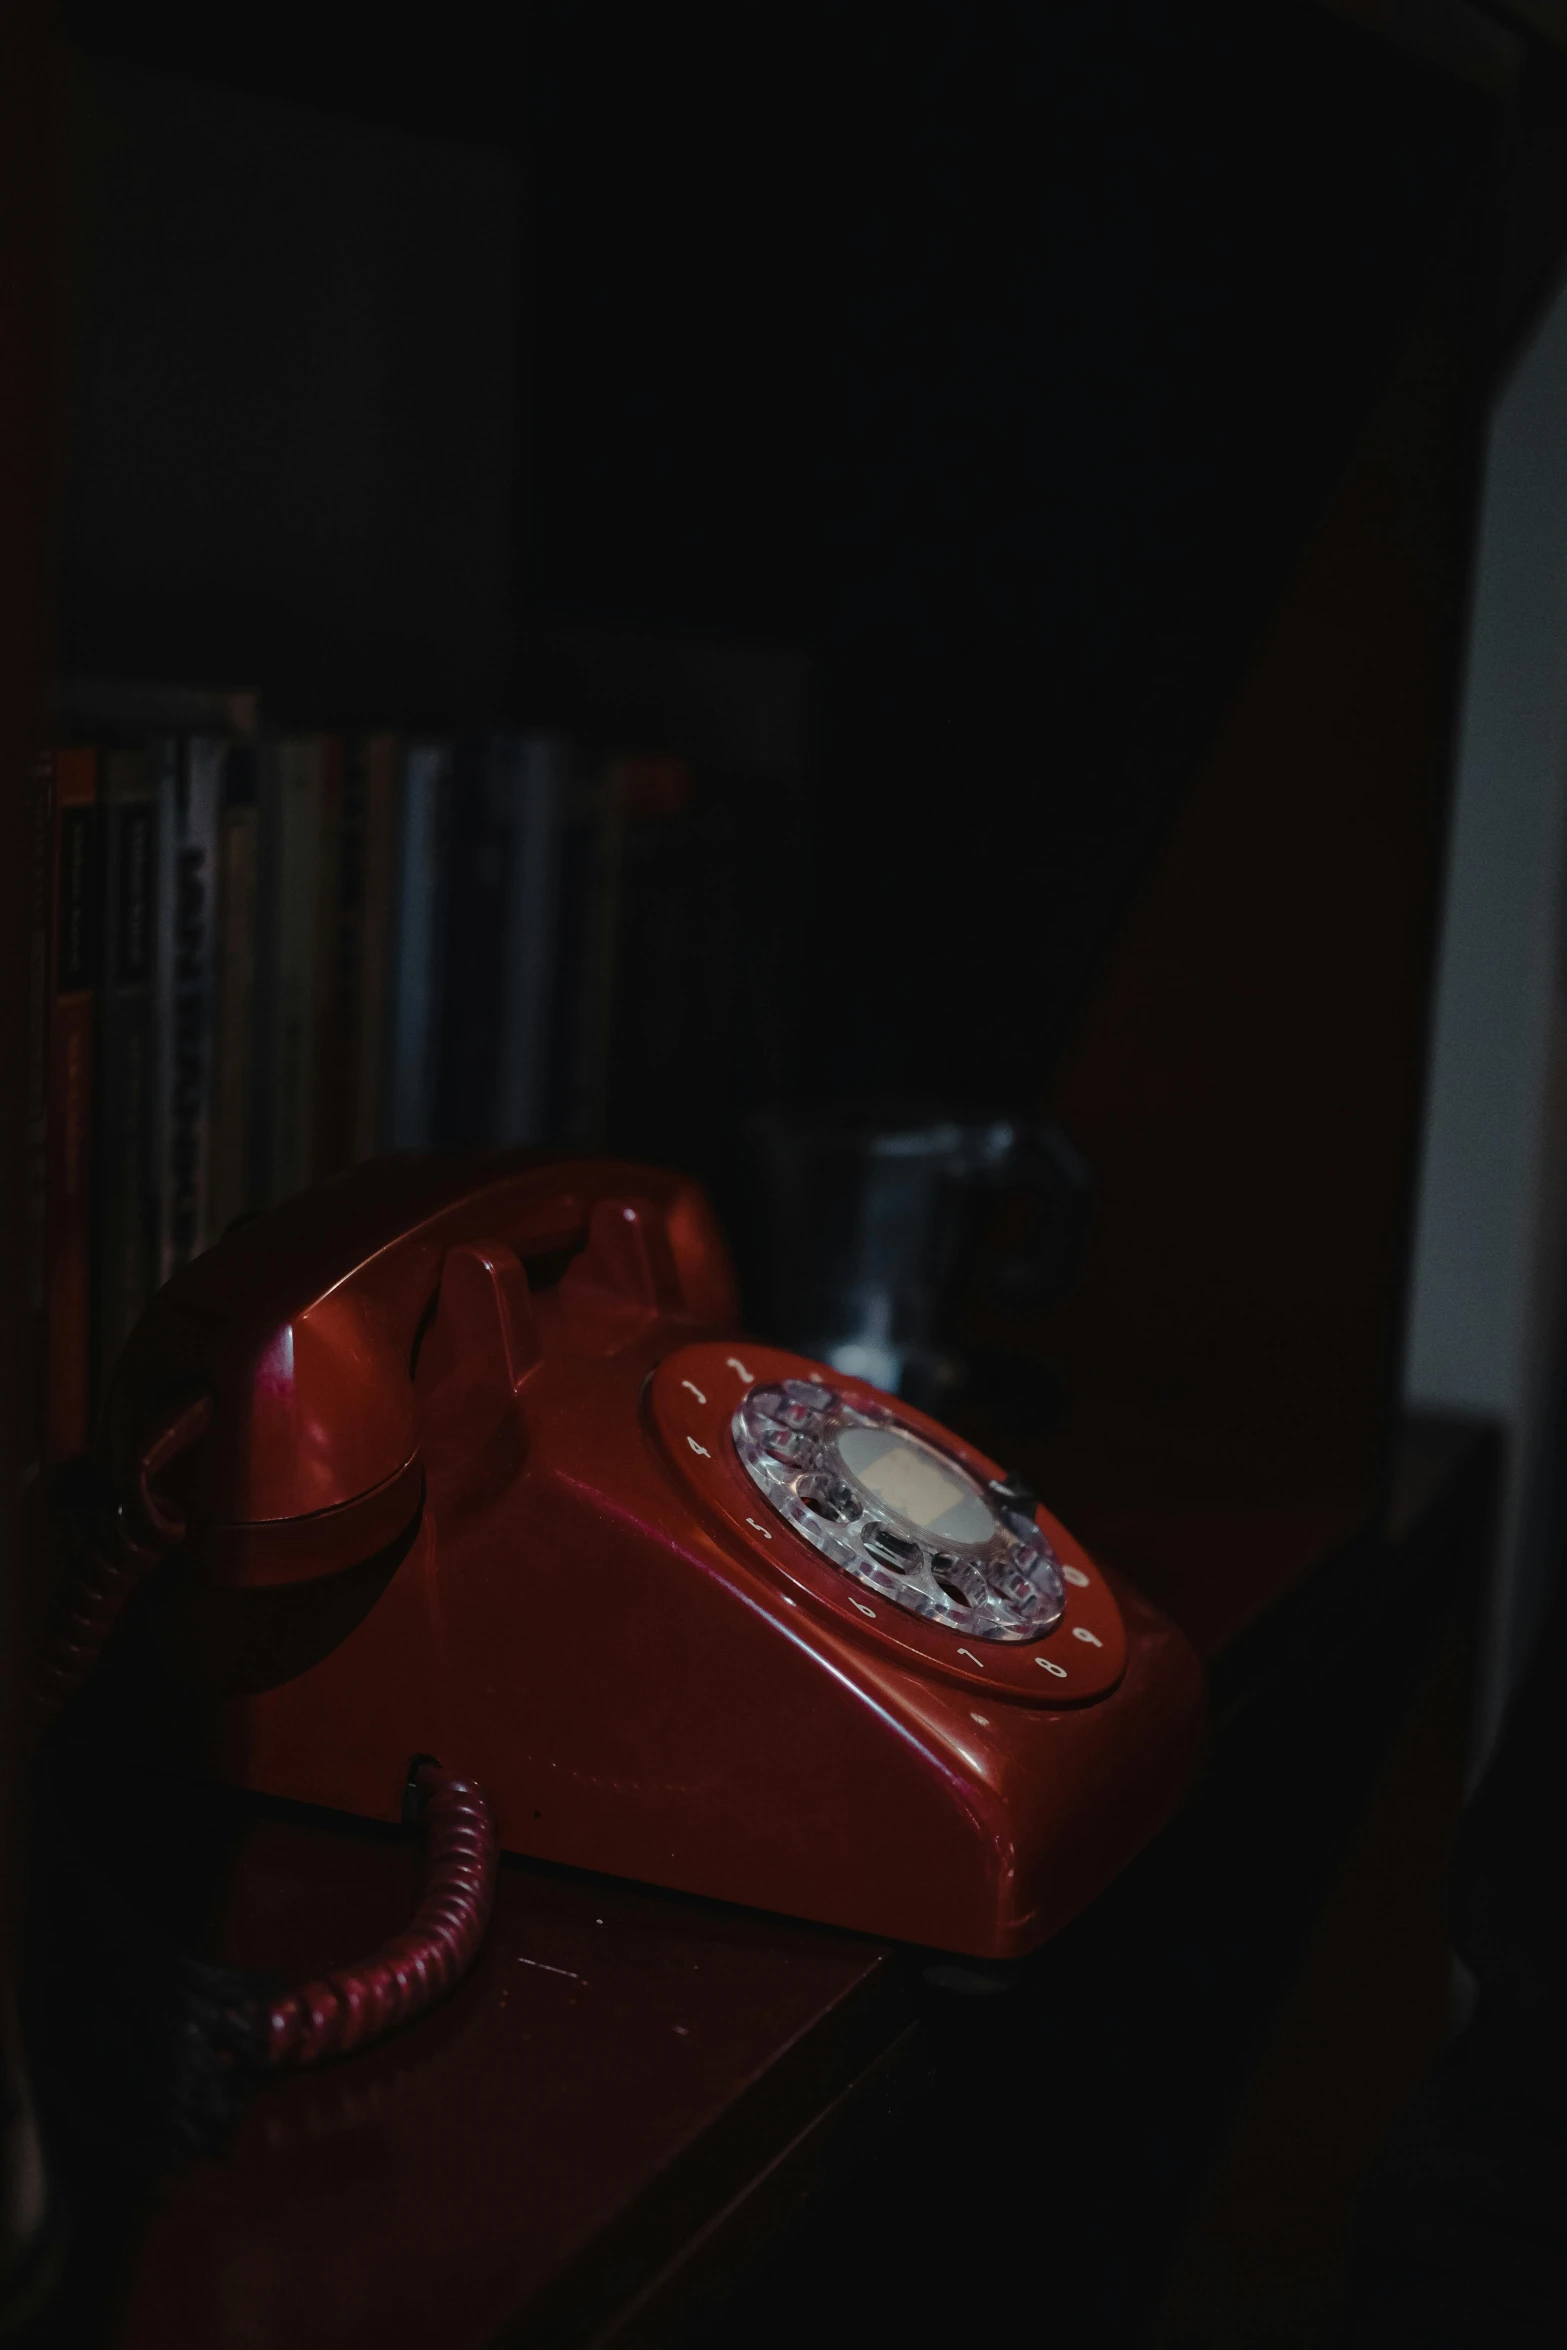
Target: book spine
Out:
[164,754]
[74,977]
[294,914]
[591,870]
[264,1011]
[126,1042]
[334,971]
[662,1066]
[340,915]
[36,1141]
[419,936]
[380,775]
[189,817]
[477,858]
[537,787]
[234,1039]
[573,926]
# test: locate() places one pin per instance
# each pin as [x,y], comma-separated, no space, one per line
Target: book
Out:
[679,1038]
[328,1056]
[189,777]
[592,840]
[234,1004]
[291,780]
[359,821]
[503,834]
[127,1038]
[476,854]
[419,939]
[536,773]
[36,1135]
[380,776]
[320,946]
[73,978]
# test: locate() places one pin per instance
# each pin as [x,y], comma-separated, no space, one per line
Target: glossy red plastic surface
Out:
[650,1674]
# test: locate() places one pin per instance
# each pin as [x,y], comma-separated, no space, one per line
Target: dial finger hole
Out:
[893,1550]
[789,1446]
[963,1584]
[828,1499]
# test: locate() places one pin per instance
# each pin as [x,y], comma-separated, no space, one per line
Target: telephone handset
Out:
[477,1466]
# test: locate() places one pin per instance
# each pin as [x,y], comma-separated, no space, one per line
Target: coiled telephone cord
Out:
[354,2005]
[118,1544]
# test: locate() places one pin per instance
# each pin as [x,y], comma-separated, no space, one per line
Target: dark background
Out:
[999,358]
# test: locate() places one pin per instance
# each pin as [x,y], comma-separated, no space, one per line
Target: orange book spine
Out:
[73,974]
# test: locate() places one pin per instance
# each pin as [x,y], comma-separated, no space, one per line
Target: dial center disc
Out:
[909,1479]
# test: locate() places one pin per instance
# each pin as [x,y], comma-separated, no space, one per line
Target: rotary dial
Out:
[900,1516]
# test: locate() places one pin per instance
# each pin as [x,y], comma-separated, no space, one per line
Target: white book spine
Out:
[190,796]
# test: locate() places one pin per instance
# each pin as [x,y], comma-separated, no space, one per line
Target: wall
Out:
[1487,1323]
[293,443]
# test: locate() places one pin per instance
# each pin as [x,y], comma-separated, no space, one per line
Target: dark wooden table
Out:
[645,2115]
[620,2076]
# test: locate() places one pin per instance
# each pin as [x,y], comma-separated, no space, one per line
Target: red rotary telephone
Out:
[469,1461]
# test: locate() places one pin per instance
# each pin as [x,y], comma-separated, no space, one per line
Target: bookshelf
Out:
[436,889]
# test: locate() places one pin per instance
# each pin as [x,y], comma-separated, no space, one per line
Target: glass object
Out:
[879,1221]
